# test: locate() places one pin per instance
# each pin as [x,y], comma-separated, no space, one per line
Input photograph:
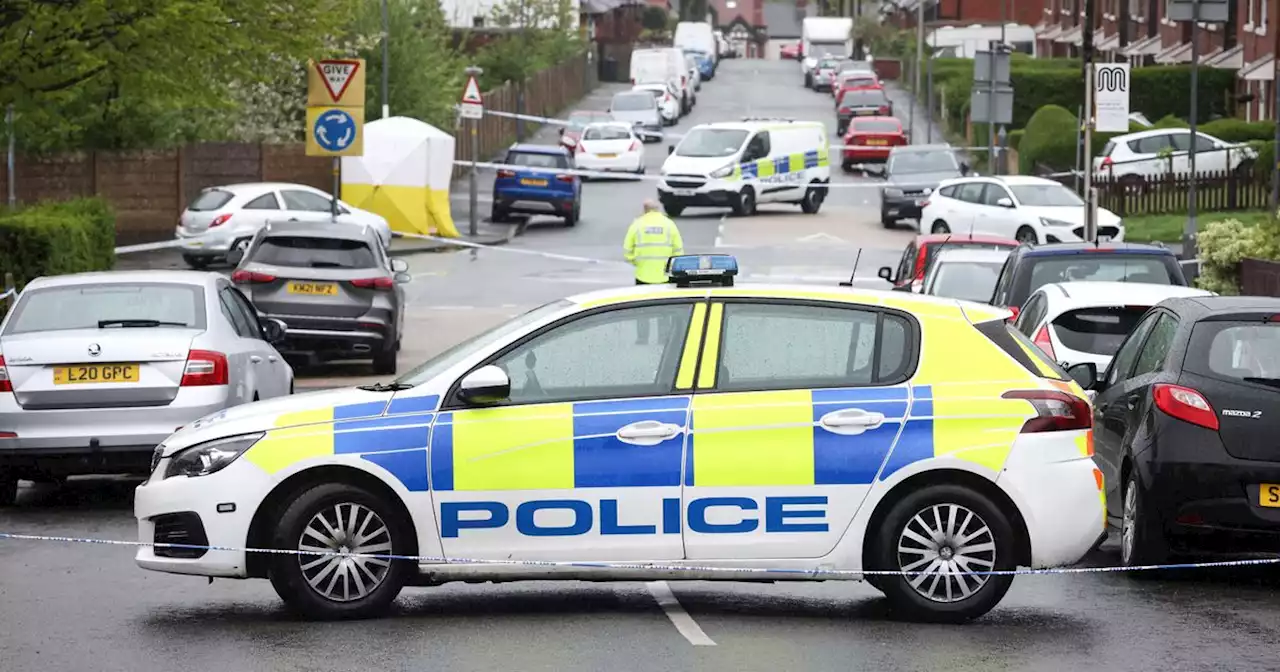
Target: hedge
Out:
[1049,139]
[1238,130]
[1266,162]
[57,238]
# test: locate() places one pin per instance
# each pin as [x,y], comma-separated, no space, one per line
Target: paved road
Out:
[86,607]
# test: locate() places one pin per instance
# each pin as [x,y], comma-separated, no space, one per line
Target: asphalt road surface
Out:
[88,607]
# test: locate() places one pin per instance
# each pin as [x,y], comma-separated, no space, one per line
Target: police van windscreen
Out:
[633,102]
[1099,330]
[706,142]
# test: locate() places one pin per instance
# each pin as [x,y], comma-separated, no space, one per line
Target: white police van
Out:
[741,164]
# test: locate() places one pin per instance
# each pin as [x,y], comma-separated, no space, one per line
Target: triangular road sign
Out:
[471,94]
[337,75]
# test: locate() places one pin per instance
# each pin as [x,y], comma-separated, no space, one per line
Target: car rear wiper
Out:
[1273,382]
[384,387]
[139,323]
[327,264]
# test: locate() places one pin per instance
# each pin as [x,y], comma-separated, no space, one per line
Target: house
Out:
[902,13]
[783,21]
[743,25]
[1138,31]
[481,13]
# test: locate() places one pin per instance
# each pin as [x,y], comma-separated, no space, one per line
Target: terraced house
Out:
[1140,32]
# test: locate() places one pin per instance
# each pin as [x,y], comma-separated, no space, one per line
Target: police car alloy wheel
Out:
[347,521]
[936,533]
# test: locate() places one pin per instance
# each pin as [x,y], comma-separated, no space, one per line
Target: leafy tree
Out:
[425,71]
[654,18]
[693,10]
[539,34]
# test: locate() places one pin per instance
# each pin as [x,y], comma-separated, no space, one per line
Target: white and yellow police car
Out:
[675,432]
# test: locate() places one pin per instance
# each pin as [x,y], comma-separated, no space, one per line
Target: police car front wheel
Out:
[942,537]
[338,531]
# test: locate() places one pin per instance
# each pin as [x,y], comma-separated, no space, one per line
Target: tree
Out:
[538,35]
[425,71]
[654,19]
[693,10]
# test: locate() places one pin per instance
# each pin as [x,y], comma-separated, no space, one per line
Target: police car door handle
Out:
[851,421]
[648,433]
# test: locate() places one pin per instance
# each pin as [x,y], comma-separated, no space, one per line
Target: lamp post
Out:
[386,59]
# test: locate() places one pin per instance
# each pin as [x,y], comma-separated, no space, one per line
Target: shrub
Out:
[1015,138]
[1171,121]
[1238,130]
[1266,163]
[1049,139]
[1224,244]
[57,238]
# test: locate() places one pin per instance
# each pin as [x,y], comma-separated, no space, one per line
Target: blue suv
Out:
[532,189]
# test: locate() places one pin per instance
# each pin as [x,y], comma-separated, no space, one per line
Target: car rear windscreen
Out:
[210,200]
[125,304]
[931,251]
[966,280]
[1239,350]
[1106,267]
[877,126]
[633,102]
[537,160]
[606,133]
[858,98]
[1099,330]
[312,252]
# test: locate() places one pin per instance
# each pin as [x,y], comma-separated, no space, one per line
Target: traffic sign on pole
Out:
[335,131]
[472,104]
[338,82]
[1111,97]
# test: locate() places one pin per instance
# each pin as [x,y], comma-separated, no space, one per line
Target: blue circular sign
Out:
[335,130]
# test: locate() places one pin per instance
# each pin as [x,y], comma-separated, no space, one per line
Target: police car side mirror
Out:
[671,149]
[485,385]
[1085,374]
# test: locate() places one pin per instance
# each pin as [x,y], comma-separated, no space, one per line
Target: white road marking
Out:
[679,617]
[720,232]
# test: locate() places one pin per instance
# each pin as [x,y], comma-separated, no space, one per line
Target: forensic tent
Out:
[404,176]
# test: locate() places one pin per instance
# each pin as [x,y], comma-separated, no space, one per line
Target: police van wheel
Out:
[746,204]
[812,201]
[975,536]
[336,517]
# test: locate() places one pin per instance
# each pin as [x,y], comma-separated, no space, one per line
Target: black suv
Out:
[911,173]
[1185,424]
[1030,267]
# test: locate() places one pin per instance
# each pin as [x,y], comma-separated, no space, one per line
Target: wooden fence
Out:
[1260,277]
[1243,189]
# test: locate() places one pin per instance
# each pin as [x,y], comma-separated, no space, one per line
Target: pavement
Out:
[88,607]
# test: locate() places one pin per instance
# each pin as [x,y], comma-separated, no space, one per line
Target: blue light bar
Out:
[702,268]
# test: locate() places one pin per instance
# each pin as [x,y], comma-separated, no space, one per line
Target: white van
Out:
[737,165]
[665,64]
[698,36]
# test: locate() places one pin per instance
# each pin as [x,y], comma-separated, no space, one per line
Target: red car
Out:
[852,81]
[578,120]
[869,140]
[921,252]
[790,51]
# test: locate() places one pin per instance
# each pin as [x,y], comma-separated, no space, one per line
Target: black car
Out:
[1030,267]
[1186,420]
[861,103]
[911,173]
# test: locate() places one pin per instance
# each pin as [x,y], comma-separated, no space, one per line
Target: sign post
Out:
[335,114]
[991,100]
[472,108]
[1109,100]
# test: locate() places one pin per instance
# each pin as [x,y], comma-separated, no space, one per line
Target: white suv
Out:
[1163,151]
[1028,209]
[1082,322]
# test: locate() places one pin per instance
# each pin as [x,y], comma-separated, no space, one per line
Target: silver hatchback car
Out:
[333,286]
[96,369]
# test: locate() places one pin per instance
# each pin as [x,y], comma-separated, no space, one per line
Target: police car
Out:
[759,433]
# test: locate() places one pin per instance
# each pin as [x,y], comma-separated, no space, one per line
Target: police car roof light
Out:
[715,269]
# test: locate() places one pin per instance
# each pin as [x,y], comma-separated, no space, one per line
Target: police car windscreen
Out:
[1045,195]
[868,98]
[922,162]
[1098,330]
[312,252]
[633,102]
[712,142]
[85,307]
[537,160]
[967,280]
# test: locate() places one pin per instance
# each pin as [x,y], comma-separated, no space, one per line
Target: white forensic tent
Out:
[404,176]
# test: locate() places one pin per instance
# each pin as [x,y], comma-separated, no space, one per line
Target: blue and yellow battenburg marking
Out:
[782,165]
[391,435]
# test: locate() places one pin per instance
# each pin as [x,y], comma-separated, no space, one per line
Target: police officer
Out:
[651,240]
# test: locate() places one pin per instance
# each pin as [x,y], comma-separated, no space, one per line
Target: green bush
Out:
[57,238]
[1049,139]
[1238,130]
[1223,245]
[1266,163]
[1171,121]
[1015,138]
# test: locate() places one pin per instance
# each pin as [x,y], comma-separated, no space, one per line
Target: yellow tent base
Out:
[417,210]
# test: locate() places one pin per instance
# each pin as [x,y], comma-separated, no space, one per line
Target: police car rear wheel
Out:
[343,521]
[939,535]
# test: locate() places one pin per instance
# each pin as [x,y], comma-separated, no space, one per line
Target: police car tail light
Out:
[1186,405]
[220,220]
[6,385]
[1043,341]
[374,283]
[205,367]
[1055,411]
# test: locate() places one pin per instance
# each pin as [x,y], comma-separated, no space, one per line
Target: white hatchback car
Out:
[1085,322]
[609,147]
[1167,150]
[965,273]
[1028,209]
[668,97]
[222,219]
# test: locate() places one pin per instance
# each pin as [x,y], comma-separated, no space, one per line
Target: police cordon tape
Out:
[630,177]
[640,565]
[7,293]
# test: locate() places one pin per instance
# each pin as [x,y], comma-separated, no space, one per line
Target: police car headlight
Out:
[722,172]
[210,457]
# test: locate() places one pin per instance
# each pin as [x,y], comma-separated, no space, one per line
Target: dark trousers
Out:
[642,325]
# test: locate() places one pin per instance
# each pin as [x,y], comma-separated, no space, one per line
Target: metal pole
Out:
[1091,203]
[915,87]
[13,179]
[1189,233]
[1075,177]
[928,126]
[474,194]
[993,161]
[386,59]
[337,186]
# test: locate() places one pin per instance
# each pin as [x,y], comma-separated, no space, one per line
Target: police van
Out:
[920,443]
[738,165]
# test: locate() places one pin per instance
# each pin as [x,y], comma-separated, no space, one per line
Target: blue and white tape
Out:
[428,559]
[7,293]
